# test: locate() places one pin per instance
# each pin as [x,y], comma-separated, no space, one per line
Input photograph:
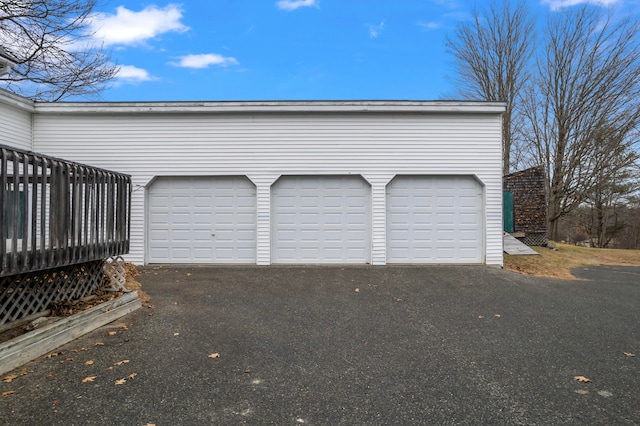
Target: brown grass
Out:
[558,262]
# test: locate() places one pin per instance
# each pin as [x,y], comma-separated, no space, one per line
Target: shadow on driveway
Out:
[351,345]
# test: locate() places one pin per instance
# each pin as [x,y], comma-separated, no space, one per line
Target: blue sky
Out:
[287,49]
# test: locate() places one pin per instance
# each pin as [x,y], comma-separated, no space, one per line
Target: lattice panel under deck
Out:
[535,239]
[26,294]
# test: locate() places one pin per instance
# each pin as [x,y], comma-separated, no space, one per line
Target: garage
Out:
[321,219]
[291,182]
[202,220]
[435,219]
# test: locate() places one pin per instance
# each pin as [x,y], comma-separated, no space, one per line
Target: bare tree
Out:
[492,54]
[615,178]
[588,79]
[56,56]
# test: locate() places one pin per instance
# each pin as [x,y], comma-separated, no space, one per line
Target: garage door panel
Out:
[202,220]
[320,219]
[434,219]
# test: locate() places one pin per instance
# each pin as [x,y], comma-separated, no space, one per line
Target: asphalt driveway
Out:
[350,345]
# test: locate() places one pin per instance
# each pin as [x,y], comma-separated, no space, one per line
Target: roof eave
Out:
[270,106]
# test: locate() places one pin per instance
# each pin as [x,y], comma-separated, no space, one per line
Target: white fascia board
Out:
[270,106]
[17,101]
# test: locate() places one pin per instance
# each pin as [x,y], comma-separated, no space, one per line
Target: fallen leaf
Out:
[98,344]
[131,376]
[582,391]
[9,379]
[112,333]
[629,354]
[69,359]
[497,315]
[88,362]
[357,290]
[121,362]
[216,355]
[53,354]
[480,316]
[247,371]
[121,382]
[581,379]
[7,393]
[124,327]
[89,379]
[189,274]
[176,334]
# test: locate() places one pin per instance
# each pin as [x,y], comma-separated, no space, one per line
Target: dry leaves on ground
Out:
[124,380]
[216,355]
[121,362]
[582,379]
[90,362]
[12,377]
[89,379]
[9,379]
[7,393]
[629,354]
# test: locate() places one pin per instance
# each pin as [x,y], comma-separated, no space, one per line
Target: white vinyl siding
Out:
[321,220]
[201,220]
[15,126]
[263,146]
[434,219]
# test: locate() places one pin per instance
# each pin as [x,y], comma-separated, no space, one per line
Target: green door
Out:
[508,220]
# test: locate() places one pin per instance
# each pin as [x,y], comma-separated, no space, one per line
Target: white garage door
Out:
[434,219]
[202,220]
[321,220]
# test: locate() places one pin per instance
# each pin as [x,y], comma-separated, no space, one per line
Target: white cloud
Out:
[559,4]
[129,27]
[204,60]
[294,4]
[430,25]
[375,30]
[449,4]
[133,74]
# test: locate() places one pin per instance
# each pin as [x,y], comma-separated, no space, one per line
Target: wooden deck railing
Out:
[55,213]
